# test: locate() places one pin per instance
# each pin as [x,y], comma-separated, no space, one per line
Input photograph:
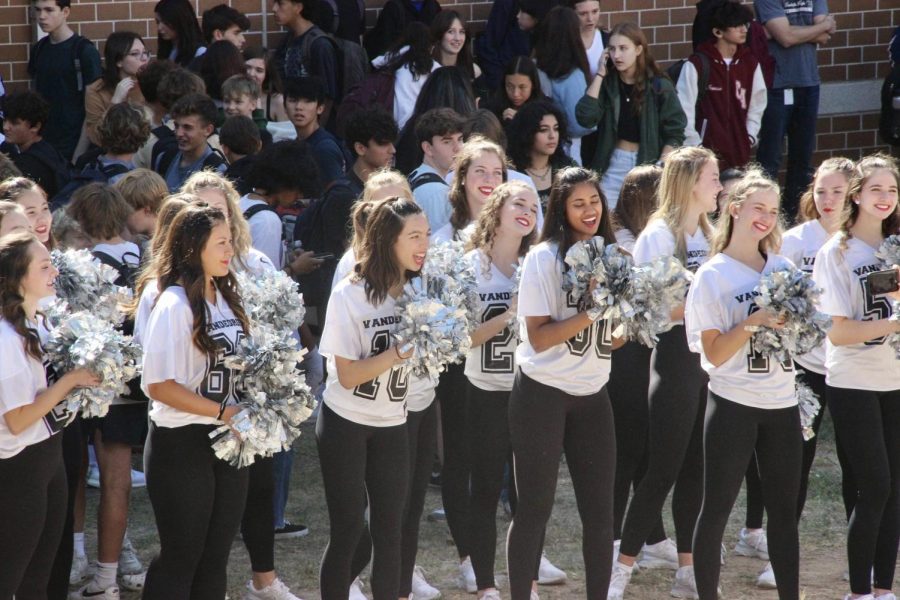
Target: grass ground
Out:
[821,532]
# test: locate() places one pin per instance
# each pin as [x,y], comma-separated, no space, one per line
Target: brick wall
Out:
[858,51]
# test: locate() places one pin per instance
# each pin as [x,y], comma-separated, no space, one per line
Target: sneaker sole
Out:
[554,581]
[461,584]
[657,563]
[292,535]
[750,552]
[684,594]
[765,585]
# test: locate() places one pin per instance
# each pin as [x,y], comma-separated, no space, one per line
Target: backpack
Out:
[674,73]
[165,140]
[423,178]
[92,172]
[758,43]
[256,209]
[377,89]
[77,48]
[352,60]
[889,124]
[164,160]
[128,275]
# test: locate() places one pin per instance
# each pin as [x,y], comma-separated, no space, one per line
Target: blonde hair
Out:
[680,174]
[7,207]
[474,147]
[489,221]
[383,178]
[143,188]
[240,230]
[754,180]
[807,210]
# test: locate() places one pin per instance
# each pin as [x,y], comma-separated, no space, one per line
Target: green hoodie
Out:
[662,120]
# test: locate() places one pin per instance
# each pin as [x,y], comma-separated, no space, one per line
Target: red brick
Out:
[831,141]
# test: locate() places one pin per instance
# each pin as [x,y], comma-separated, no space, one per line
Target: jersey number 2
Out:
[494,359]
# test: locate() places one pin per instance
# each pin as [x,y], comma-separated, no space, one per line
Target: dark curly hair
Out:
[124,129]
[286,165]
[526,125]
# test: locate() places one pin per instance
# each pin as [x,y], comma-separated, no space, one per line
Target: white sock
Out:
[79,543]
[105,577]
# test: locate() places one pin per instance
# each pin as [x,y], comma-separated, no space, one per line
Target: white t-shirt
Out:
[658,240]
[492,365]
[421,393]
[355,329]
[594,53]
[406,86]
[22,378]
[721,296]
[257,262]
[625,239]
[344,266]
[448,234]
[800,245]
[842,275]
[170,353]
[126,252]
[265,231]
[580,365]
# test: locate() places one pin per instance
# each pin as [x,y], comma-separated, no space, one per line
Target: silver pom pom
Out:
[657,288]
[83,341]
[276,399]
[451,278]
[86,284]
[791,294]
[809,407]
[273,298]
[889,252]
[436,329]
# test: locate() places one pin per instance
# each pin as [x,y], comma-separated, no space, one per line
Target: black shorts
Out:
[123,424]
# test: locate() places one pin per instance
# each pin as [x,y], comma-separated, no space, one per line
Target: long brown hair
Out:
[15,258]
[645,67]
[807,210]
[754,180]
[472,149]
[556,225]
[240,230]
[179,263]
[377,263]
[638,199]
[489,219]
[865,168]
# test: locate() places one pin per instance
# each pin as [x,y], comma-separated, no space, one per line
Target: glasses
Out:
[143,54]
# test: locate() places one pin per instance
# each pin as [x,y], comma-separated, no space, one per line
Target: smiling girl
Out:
[634,108]
[558,401]
[29,195]
[751,406]
[862,372]
[452,44]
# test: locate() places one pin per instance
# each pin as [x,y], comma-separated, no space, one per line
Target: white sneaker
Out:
[137,479]
[83,593]
[685,585]
[466,578]
[866,597]
[548,574]
[276,590]
[887,596]
[661,555]
[79,570]
[131,571]
[420,588]
[766,579]
[491,595]
[93,476]
[534,595]
[621,576]
[356,592]
[753,544]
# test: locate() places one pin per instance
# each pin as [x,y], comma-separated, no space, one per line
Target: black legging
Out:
[32,513]
[258,522]
[544,422]
[198,501]
[629,384]
[457,468]
[675,454]
[422,429]
[360,462]
[732,432]
[755,510]
[72,451]
[868,424]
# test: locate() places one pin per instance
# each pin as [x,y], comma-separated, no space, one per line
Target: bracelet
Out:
[221,412]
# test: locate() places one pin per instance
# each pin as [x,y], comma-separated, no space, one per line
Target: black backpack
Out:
[889,124]
[256,209]
[77,48]
[352,60]
[674,73]
[164,160]
[92,172]
[423,178]
[165,140]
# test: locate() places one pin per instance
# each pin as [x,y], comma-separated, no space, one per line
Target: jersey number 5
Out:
[398,378]
[875,307]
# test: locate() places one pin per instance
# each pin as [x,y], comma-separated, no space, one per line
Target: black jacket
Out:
[392,21]
[41,162]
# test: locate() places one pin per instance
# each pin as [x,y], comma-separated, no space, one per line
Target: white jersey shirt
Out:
[170,353]
[492,365]
[344,266]
[356,329]
[22,378]
[658,240]
[421,392]
[580,365]
[625,238]
[842,272]
[266,230]
[800,245]
[448,234]
[721,297]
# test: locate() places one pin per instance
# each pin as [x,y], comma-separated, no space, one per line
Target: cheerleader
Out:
[503,234]
[361,431]
[33,200]
[196,323]
[862,373]
[629,376]
[819,215]
[12,218]
[558,401]
[33,494]
[751,404]
[687,192]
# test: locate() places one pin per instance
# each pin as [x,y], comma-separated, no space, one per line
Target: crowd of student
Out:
[212,158]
